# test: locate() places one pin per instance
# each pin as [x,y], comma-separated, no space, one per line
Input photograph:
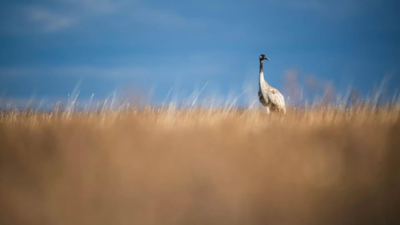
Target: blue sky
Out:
[148,47]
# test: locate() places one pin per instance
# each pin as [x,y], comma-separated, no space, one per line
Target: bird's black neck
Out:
[261,66]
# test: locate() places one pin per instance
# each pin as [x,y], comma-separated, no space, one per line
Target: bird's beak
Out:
[266,58]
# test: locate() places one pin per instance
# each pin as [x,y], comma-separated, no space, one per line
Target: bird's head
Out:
[262,57]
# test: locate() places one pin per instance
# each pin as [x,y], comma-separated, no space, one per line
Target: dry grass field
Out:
[200,166]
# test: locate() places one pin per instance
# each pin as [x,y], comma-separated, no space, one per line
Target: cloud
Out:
[99,6]
[58,15]
[23,19]
[196,65]
[48,21]
[332,9]
[54,15]
[73,71]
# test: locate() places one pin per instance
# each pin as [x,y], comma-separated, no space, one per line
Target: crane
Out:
[270,97]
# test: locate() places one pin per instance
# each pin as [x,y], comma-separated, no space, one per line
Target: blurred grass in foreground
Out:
[200,166]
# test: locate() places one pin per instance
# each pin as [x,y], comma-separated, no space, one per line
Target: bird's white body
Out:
[270,97]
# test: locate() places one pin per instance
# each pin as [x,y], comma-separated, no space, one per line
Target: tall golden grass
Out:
[324,165]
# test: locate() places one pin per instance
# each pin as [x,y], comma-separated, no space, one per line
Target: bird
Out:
[270,97]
